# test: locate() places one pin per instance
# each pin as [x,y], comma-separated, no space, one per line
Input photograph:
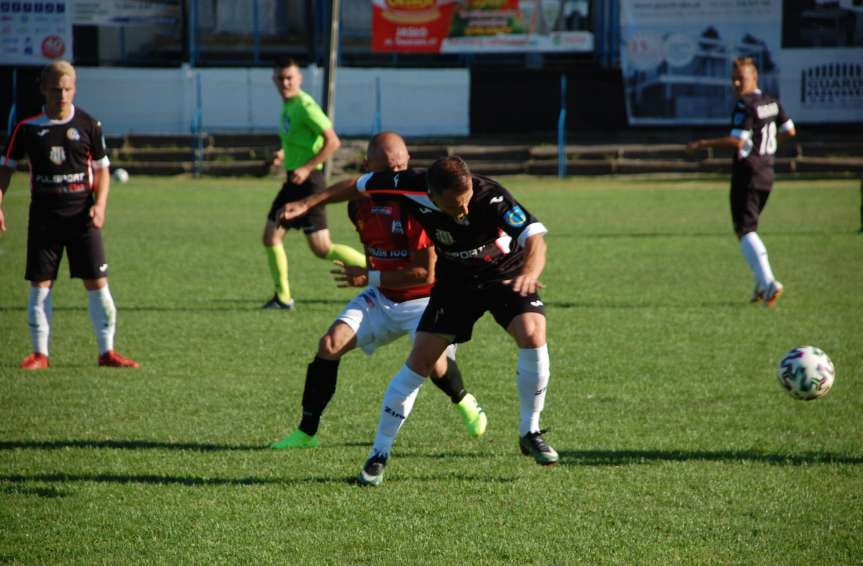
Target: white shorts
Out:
[377,320]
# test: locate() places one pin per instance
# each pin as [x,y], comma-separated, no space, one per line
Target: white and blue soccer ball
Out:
[121,175]
[806,373]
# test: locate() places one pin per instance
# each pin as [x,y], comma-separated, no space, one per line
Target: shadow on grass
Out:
[126,445]
[154,479]
[192,481]
[217,305]
[740,305]
[630,457]
[34,491]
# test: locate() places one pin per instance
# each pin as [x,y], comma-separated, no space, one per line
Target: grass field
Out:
[677,444]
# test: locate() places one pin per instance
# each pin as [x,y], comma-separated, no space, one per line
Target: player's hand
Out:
[300,174]
[278,158]
[97,216]
[524,285]
[291,211]
[349,275]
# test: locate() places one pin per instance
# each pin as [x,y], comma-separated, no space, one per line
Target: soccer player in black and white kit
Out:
[69,183]
[491,252]
[757,124]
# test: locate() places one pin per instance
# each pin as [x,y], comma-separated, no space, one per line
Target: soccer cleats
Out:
[772,294]
[768,296]
[757,295]
[533,444]
[35,360]
[277,304]
[373,471]
[472,415]
[297,439]
[112,359]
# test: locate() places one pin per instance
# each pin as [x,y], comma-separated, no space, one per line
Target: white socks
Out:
[398,402]
[532,380]
[756,256]
[39,318]
[534,370]
[103,315]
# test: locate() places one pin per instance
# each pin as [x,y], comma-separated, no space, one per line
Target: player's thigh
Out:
[746,205]
[340,339]
[523,317]
[452,313]
[44,250]
[365,315]
[86,253]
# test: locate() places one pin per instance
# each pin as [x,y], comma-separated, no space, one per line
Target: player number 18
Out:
[768,139]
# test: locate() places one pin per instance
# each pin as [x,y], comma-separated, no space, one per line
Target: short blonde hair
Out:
[57,68]
[742,62]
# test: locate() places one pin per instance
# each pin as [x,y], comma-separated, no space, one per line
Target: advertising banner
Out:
[34,32]
[676,56]
[823,85]
[822,60]
[480,26]
[126,12]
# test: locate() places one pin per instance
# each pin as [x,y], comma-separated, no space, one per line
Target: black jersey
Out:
[486,247]
[62,156]
[757,119]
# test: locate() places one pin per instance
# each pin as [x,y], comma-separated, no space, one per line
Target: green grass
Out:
[677,444]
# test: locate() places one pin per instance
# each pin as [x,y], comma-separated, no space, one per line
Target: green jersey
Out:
[301,127]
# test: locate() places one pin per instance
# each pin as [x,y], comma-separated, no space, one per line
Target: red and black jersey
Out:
[486,247]
[757,120]
[391,236]
[62,155]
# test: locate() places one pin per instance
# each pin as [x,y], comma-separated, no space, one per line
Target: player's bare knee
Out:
[329,348]
[320,252]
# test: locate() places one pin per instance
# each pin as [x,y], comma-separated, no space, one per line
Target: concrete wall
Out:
[414,102]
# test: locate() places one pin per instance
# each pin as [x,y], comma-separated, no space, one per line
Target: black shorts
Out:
[316,218]
[456,312]
[747,203]
[48,235]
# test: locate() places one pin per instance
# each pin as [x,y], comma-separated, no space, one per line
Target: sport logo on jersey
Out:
[385,210]
[396,227]
[57,155]
[444,237]
[515,217]
[73,134]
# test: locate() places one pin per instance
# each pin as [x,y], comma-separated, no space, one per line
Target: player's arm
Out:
[342,191]
[726,142]
[419,272]
[101,187]
[527,281]
[787,130]
[331,144]
[5,178]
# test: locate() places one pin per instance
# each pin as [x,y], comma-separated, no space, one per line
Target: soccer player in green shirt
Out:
[308,140]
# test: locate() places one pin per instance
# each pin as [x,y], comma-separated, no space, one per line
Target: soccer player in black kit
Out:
[757,124]
[491,252]
[69,183]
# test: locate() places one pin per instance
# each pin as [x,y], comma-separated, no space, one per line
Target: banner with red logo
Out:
[480,26]
[34,32]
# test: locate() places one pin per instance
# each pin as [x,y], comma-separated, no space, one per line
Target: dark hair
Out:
[448,174]
[282,62]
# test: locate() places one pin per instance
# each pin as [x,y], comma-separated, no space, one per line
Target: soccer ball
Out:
[806,373]
[121,175]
